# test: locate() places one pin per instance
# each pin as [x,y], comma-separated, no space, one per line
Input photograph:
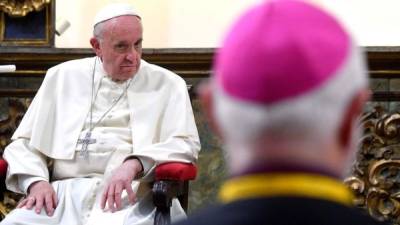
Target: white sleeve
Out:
[25,166]
[179,140]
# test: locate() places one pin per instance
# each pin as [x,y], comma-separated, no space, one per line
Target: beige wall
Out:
[202,23]
[167,23]
[373,22]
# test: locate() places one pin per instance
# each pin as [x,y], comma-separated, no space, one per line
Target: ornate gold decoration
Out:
[9,202]
[19,8]
[16,110]
[375,177]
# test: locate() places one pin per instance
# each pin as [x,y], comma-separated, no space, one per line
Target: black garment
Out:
[281,211]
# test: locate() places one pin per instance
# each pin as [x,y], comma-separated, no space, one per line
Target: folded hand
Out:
[40,194]
[121,180]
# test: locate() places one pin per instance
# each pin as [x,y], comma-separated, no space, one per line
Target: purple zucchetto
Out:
[279,50]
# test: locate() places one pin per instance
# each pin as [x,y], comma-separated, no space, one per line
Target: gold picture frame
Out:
[46,39]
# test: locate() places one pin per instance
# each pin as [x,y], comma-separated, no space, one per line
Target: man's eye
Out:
[121,47]
[138,46]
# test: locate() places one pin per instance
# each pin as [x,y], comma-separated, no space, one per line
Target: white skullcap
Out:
[114,10]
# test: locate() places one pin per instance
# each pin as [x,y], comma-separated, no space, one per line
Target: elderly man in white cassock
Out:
[104,122]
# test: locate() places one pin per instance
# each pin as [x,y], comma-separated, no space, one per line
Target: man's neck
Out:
[282,167]
[118,81]
[286,158]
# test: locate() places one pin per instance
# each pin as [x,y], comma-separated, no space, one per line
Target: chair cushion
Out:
[3,167]
[175,171]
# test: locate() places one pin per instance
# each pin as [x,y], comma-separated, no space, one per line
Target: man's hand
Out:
[121,179]
[40,194]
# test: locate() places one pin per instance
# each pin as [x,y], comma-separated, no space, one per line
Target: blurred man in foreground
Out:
[289,86]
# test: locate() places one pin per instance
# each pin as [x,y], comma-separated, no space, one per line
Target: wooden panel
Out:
[34,62]
[384,62]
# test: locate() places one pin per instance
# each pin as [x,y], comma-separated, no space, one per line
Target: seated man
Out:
[104,122]
[289,86]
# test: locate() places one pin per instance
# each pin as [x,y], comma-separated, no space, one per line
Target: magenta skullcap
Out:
[279,50]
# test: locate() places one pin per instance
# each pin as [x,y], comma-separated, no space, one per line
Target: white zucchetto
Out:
[114,10]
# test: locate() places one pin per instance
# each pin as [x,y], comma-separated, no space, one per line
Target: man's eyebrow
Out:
[120,43]
[139,41]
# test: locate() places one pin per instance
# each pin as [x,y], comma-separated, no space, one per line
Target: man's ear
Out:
[207,103]
[351,116]
[95,43]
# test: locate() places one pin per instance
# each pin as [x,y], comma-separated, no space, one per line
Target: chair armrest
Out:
[171,180]
[3,167]
[3,172]
[175,171]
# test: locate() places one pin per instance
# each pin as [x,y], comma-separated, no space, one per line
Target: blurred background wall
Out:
[201,24]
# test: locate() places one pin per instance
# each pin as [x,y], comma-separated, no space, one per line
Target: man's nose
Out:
[132,55]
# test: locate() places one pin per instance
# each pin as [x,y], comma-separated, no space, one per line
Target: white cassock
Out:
[153,121]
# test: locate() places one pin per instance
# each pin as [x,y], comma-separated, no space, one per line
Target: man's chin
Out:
[124,76]
[126,71]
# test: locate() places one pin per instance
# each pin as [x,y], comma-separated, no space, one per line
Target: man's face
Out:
[120,46]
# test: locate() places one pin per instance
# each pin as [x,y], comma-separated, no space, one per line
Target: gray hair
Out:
[98,30]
